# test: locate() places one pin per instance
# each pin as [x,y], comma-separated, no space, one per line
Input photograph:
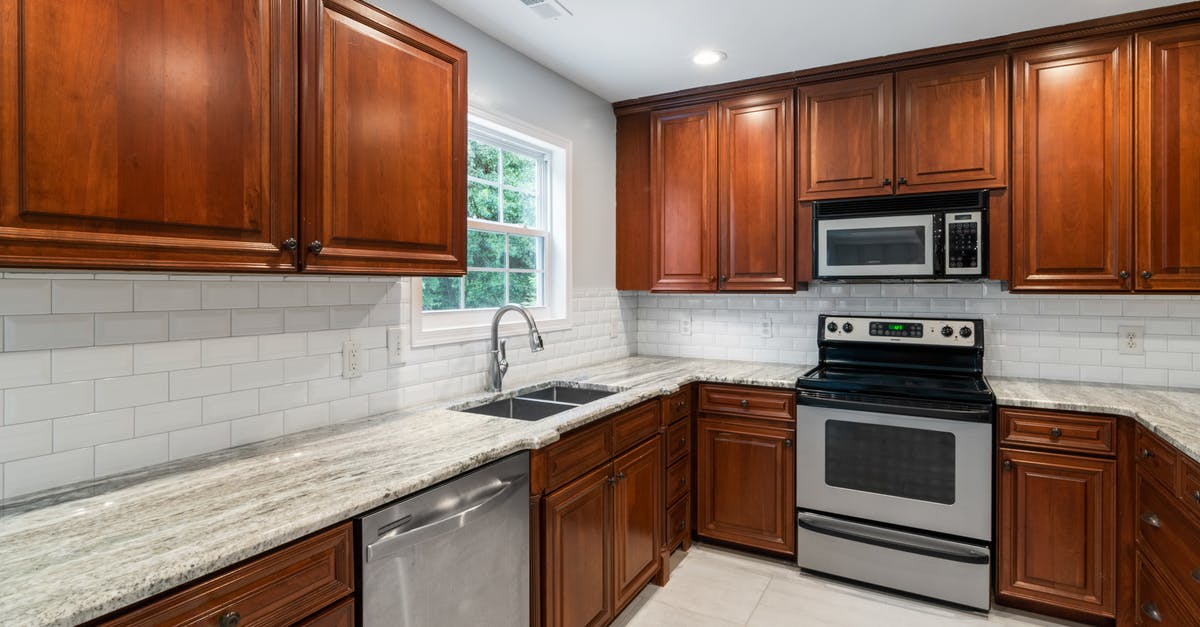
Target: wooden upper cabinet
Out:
[755,207]
[845,145]
[952,126]
[683,198]
[1168,159]
[383,179]
[147,134]
[1072,177]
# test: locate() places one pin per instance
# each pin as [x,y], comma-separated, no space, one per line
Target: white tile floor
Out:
[712,587]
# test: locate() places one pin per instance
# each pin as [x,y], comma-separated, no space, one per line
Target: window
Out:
[516,235]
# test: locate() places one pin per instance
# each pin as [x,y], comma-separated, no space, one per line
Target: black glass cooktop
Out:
[897,383]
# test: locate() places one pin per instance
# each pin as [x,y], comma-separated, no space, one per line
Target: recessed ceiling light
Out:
[709,57]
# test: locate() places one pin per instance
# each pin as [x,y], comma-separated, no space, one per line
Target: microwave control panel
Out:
[964,238]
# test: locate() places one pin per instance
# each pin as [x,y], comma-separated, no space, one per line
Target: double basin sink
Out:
[540,402]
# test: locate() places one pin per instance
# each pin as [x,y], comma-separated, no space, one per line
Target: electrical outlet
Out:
[1130,341]
[764,327]
[395,346]
[352,360]
[685,326]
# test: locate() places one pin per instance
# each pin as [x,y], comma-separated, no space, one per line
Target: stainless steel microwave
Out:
[919,236]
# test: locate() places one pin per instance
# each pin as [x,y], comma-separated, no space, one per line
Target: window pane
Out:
[482,202]
[520,171]
[525,288]
[524,252]
[485,249]
[441,293]
[485,289]
[482,161]
[520,208]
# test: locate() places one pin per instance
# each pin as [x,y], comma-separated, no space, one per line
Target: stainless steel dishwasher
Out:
[455,554]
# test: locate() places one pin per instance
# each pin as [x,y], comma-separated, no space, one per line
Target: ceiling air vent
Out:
[547,9]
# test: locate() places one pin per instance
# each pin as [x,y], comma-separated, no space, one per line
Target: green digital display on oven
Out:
[896,327]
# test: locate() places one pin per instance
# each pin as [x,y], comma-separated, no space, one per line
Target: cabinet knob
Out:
[315,247]
[1151,611]
[1055,432]
[611,480]
[745,403]
[887,182]
[620,476]
[903,181]
[787,443]
[724,278]
[230,619]
[1145,453]
[1124,274]
[1147,274]
[1007,464]
[1196,575]
[290,244]
[680,404]
[1152,519]
[682,441]
[681,524]
[1196,495]
[683,481]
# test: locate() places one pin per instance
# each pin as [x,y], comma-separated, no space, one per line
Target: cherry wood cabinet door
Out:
[637,518]
[1168,159]
[952,126]
[1056,543]
[683,198]
[755,206]
[1072,180]
[577,550]
[148,134]
[845,146]
[383,132]
[745,483]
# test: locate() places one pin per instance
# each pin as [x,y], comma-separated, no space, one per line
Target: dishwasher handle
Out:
[440,521]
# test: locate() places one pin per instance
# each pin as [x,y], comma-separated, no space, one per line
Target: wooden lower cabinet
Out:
[637,519]
[745,482]
[1056,533]
[338,615]
[578,551]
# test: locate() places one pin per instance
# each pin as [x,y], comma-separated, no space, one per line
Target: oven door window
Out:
[897,461]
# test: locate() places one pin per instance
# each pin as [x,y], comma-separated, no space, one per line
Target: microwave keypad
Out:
[964,244]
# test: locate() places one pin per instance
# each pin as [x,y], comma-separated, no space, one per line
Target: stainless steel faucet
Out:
[499,364]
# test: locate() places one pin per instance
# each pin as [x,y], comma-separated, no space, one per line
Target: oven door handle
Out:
[888,539]
[945,413]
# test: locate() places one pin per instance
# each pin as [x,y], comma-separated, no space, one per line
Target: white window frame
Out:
[431,328]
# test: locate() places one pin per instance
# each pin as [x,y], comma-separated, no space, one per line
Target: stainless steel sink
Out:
[539,402]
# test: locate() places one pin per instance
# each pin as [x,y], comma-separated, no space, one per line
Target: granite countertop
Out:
[83,554]
[1172,414]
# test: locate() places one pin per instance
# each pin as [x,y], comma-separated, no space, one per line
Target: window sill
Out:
[510,325]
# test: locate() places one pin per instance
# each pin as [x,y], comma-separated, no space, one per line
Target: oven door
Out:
[929,474]
[883,246]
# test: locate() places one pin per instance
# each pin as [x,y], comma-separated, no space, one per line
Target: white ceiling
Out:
[623,49]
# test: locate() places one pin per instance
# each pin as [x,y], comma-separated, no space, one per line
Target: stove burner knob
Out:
[965,331]
[947,331]
[832,326]
[848,327]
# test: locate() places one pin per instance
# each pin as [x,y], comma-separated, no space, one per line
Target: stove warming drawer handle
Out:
[883,538]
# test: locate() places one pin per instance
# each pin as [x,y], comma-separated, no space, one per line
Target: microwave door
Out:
[884,246]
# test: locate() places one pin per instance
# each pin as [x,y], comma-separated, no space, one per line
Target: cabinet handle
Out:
[620,476]
[1196,575]
[1007,464]
[1147,274]
[887,183]
[682,441]
[1196,495]
[1145,453]
[681,524]
[1055,432]
[1151,611]
[787,443]
[903,181]
[290,244]
[1152,519]
[315,247]
[745,403]
[1124,274]
[230,619]
[680,404]
[611,481]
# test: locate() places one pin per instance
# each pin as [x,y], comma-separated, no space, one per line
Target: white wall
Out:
[503,81]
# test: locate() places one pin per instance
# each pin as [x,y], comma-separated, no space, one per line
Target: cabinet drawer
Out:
[1154,602]
[677,521]
[1058,430]
[280,588]
[679,438]
[679,479]
[747,401]
[1190,486]
[1155,459]
[679,404]
[1170,535]
[634,425]
[339,615]
[578,452]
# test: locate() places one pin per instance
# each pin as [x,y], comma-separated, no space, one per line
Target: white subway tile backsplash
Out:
[368,293]
[348,409]
[280,397]
[256,321]
[228,350]
[130,328]
[304,418]
[165,417]
[328,294]
[199,382]
[164,356]
[126,455]
[140,389]
[25,333]
[47,471]
[256,428]
[166,295]
[29,439]
[305,319]
[327,342]
[229,295]
[48,401]
[198,440]
[190,325]
[92,429]
[24,369]
[90,296]
[257,374]
[285,294]
[229,406]
[81,364]
[282,345]
[305,368]
[349,316]
[24,296]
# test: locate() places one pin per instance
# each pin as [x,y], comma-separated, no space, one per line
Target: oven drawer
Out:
[747,401]
[1060,431]
[1170,535]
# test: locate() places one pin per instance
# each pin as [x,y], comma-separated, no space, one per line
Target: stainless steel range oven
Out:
[898,422]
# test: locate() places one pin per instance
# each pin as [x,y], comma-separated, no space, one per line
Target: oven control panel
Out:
[922,331]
